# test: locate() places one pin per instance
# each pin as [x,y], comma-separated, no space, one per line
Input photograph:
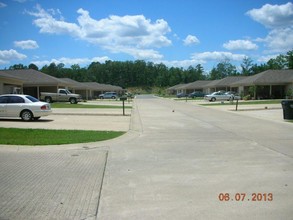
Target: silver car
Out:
[109,95]
[24,106]
[219,96]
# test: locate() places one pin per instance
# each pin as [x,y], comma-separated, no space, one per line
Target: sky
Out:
[179,33]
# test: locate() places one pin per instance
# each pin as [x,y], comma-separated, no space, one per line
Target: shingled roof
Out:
[227,81]
[75,84]
[212,83]
[102,87]
[199,84]
[269,77]
[32,77]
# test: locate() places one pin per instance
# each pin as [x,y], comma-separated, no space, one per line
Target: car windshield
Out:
[33,99]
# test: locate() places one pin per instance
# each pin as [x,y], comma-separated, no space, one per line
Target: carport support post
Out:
[123,107]
[236,104]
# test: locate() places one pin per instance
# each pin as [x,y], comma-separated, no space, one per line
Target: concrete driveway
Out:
[185,157]
[178,161]
[76,119]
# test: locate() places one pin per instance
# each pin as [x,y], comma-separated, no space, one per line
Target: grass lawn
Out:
[16,136]
[67,105]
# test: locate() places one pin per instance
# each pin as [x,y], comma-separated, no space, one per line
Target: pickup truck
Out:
[63,95]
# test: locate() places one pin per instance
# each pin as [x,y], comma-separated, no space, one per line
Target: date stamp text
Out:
[242,197]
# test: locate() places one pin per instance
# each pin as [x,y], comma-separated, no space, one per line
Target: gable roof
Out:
[7,76]
[102,87]
[75,84]
[227,81]
[212,83]
[199,84]
[32,77]
[269,77]
[175,86]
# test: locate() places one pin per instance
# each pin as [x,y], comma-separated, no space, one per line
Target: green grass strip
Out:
[67,105]
[16,136]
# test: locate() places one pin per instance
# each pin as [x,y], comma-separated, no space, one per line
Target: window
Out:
[33,99]
[16,99]
[4,99]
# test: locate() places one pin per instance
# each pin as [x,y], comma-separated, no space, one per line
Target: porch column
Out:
[38,92]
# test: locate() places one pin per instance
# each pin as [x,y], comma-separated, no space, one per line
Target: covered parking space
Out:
[35,82]
[10,84]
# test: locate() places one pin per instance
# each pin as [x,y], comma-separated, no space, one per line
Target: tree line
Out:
[140,73]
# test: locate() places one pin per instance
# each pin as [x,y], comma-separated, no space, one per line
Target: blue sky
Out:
[175,32]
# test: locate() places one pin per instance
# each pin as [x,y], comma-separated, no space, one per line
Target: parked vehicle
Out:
[109,95]
[219,96]
[24,106]
[181,94]
[196,94]
[234,95]
[63,95]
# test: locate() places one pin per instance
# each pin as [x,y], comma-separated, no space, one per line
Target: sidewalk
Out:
[263,111]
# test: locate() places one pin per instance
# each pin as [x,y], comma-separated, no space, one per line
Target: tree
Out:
[246,66]
[17,67]
[289,57]
[280,62]
[33,66]
[223,70]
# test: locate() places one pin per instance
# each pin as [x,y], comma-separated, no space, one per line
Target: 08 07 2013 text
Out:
[241,197]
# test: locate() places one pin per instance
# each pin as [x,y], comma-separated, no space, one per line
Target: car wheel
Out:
[48,99]
[26,115]
[213,99]
[113,97]
[73,101]
[231,98]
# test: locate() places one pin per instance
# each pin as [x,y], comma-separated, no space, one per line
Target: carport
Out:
[10,84]
[35,82]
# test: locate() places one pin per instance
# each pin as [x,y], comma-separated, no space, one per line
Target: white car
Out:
[24,106]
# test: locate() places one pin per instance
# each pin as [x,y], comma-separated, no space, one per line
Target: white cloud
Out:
[26,44]
[48,24]
[279,40]
[191,40]
[273,16]
[133,35]
[181,63]
[240,45]
[264,59]
[2,5]
[140,54]
[70,61]
[8,55]
[279,19]
[217,56]
[203,58]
